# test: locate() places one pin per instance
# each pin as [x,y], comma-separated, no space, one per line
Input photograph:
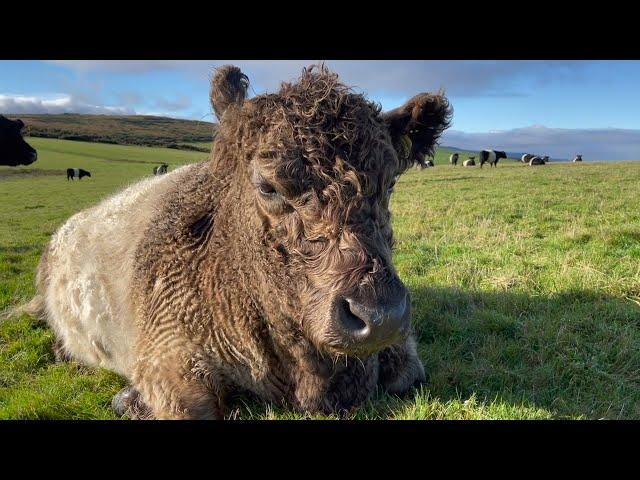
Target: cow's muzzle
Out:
[369,325]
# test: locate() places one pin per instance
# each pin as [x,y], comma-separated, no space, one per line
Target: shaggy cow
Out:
[161,170]
[14,150]
[491,157]
[453,159]
[578,158]
[536,161]
[470,162]
[77,173]
[266,269]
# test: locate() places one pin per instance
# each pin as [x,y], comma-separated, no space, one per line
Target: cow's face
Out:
[319,165]
[13,149]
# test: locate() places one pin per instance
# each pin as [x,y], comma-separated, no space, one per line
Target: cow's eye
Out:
[267,190]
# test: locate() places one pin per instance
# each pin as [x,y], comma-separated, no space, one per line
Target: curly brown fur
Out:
[238,279]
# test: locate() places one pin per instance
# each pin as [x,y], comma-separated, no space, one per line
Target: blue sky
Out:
[548,107]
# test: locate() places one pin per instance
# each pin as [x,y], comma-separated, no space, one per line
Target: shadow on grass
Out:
[573,353]
[17,172]
[19,249]
[514,355]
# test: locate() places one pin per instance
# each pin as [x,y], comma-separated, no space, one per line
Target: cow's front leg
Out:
[400,368]
[129,402]
[175,387]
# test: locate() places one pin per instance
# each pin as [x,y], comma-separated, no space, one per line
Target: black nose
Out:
[374,325]
[34,156]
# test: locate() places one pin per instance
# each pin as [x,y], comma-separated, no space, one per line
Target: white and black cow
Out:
[453,159]
[536,161]
[421,162]
[161,170]
[491,157]
[578,158]
[14,150]
[526,157]
[77,173]
[470,162]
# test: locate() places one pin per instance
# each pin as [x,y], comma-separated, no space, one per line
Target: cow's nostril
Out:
[352,322]
[373,326]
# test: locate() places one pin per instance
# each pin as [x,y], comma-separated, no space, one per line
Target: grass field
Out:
[525,285]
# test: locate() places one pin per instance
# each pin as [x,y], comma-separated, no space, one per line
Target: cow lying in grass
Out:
[266,269]
[161,169]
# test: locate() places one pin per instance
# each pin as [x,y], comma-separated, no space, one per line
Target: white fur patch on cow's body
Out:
[89,270]
[76,173]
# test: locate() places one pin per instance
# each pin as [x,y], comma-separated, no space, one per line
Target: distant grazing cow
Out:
[161,170]
[526,157]
[536,161]
[13,149]
[430,163]
[578,158]
[491,157]
[453,159]
[77,173]
[470,162]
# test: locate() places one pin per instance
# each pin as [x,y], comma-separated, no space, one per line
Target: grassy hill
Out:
[524,281]
[124,130]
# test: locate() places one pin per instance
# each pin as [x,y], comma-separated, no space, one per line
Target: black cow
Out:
[13,149]
[161,170]
[491,157]
[77,173]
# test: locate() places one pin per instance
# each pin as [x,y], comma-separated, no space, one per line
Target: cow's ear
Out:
[416,126]
[228,87]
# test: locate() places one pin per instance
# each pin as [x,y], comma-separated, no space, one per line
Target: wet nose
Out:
[379,324]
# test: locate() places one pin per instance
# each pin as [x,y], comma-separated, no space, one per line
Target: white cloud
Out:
[182,102]
[460,77]
[559,143]
[56,103]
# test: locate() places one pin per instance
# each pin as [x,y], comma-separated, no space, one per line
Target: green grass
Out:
[525,285]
